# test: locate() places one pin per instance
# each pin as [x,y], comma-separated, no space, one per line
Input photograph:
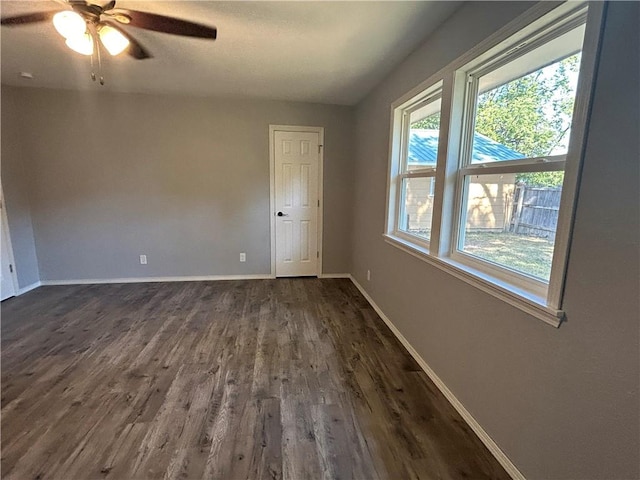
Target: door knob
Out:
[280,214]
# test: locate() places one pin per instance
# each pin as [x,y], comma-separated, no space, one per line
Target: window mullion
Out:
[442,190]
[468,129]
[445,201]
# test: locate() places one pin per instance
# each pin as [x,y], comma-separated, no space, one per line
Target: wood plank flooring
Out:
[290,378]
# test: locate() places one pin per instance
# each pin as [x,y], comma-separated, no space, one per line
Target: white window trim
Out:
[439,251]
[400,168]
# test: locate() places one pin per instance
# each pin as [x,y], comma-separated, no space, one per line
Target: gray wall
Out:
[183,180]
[15,186]
[562,403]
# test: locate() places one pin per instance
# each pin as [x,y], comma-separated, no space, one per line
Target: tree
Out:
[531,115]
[432,122]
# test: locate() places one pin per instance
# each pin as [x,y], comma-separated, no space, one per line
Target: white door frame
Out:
[272,188]
[5,226]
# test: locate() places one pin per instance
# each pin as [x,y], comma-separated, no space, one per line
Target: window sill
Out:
[525,301]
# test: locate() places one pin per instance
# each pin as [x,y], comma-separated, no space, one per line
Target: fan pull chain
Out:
[99,60]
[96,51]
[93,75]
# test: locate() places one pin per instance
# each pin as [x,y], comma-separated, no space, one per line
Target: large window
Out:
[479,156]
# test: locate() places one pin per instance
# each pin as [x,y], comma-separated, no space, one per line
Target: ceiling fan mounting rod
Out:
[88,11]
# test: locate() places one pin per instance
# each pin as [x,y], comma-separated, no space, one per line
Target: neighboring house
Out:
[490,200]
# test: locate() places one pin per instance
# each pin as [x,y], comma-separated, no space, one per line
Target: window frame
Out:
[527,32]
[401,171]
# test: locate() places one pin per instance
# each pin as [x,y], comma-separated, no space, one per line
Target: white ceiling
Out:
[311,51]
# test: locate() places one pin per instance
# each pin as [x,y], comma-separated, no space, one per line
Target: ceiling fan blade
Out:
[28,18]
[160,23]
[109,6]
[135,50]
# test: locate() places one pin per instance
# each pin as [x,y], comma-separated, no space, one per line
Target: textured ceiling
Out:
[312,51]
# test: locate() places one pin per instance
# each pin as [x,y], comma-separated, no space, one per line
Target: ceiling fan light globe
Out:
[69,24]
[114,41]
[82,44]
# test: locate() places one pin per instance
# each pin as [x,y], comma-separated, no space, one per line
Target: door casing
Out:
[7,233]
[272,188]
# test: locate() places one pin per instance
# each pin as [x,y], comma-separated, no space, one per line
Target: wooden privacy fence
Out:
[497,203]
[535,211]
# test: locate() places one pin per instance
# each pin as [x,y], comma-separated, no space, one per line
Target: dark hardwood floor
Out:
[289,378]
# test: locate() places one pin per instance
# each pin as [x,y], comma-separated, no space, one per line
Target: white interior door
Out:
[296,158]
[7,287]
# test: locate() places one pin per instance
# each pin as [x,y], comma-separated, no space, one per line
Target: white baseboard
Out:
[334,275]
[28,288]
[492,446]
[201,278]
[155,279]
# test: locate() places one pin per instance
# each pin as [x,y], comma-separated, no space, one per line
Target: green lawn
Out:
[530,255]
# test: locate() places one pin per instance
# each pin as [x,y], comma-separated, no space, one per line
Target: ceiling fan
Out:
[86,22]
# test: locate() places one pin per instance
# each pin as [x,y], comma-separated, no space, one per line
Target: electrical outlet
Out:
[368,275]
[143,259]
[243,257]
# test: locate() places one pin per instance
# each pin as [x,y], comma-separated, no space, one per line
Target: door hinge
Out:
[319,147]
[318,203]
[317,254]
[11,268]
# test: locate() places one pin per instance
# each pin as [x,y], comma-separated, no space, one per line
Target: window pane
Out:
[417,206]
[526,117]
[424,133]
[512,219]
